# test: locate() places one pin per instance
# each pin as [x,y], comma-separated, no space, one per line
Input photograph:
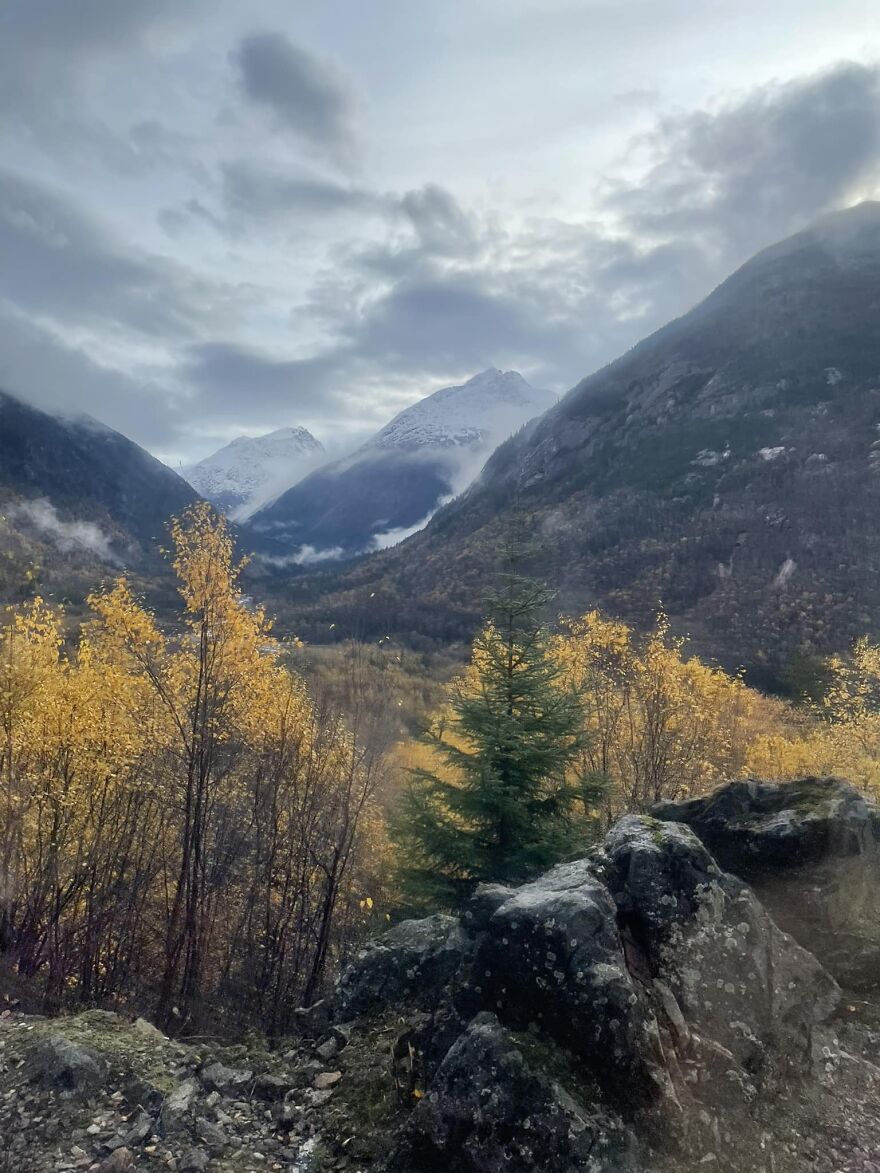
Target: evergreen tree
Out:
[513,802]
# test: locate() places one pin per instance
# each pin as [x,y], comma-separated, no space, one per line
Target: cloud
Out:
[441,225]
[225,372]
[393,537]
[212,263]
[58,261]
[50,50]
[65,535]
[305,556]
[40,367]
[307,96]
[750,172]
[254,192]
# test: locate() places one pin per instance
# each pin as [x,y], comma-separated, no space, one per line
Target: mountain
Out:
[395,481]
[250,470]
[726,468]
[78,493]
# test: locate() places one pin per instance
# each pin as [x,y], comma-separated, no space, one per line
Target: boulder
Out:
[551,958]
[809,849]
[707,950]
[490,1109]
[483,904]
[220,1078]
[68,1069]
[640,991]
[412,964]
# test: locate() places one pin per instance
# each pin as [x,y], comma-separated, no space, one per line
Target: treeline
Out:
[181,827]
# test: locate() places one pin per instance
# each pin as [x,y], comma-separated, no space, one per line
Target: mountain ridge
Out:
[398,478]
[722,469]
[77,497]
[249,471]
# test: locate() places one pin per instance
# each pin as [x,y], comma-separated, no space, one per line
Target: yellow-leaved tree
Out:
[180,821]
[662,726]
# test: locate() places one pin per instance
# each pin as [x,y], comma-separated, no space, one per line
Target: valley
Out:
[439,587]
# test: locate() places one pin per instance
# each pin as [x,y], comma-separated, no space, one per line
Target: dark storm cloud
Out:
[226,375]
[750,173]
[306,95]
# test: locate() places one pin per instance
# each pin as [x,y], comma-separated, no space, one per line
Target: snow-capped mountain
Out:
[483,411]
[395,481]
[251,470]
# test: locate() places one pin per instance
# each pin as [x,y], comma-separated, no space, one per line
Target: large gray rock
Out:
[809,849]
[220,1078]
[642,987]
[412,964]
[71,1071]
[551,958]
[490,1110]
[693,930]
[178,1105]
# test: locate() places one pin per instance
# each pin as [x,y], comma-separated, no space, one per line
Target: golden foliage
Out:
[177,817]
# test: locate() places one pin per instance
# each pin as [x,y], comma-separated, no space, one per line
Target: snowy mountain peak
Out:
[484,410]
[393,484]
[250,470]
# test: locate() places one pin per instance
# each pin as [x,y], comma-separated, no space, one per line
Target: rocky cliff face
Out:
[639,1010]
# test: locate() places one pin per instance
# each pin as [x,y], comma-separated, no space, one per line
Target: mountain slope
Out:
[247,472]
[399,477]
[727,468]
[81,489]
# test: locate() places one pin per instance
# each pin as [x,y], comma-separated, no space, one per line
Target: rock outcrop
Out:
[484,1085]
[413,963]
[638,1009]
[811,851]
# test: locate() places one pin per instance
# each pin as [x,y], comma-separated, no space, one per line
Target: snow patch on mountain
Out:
[481,412]
[251,471]
[392,485]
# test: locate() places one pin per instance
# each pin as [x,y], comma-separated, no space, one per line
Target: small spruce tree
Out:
[513,803]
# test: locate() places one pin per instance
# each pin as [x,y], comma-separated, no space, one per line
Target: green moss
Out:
[557,1065]
[366,1105]
[810,796]
[144,1056]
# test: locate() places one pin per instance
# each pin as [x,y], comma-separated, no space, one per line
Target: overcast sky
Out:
[219,217]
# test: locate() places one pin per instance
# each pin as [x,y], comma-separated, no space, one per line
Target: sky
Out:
[220,218]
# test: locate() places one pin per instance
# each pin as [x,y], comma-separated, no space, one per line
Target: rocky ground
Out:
[635,1011]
